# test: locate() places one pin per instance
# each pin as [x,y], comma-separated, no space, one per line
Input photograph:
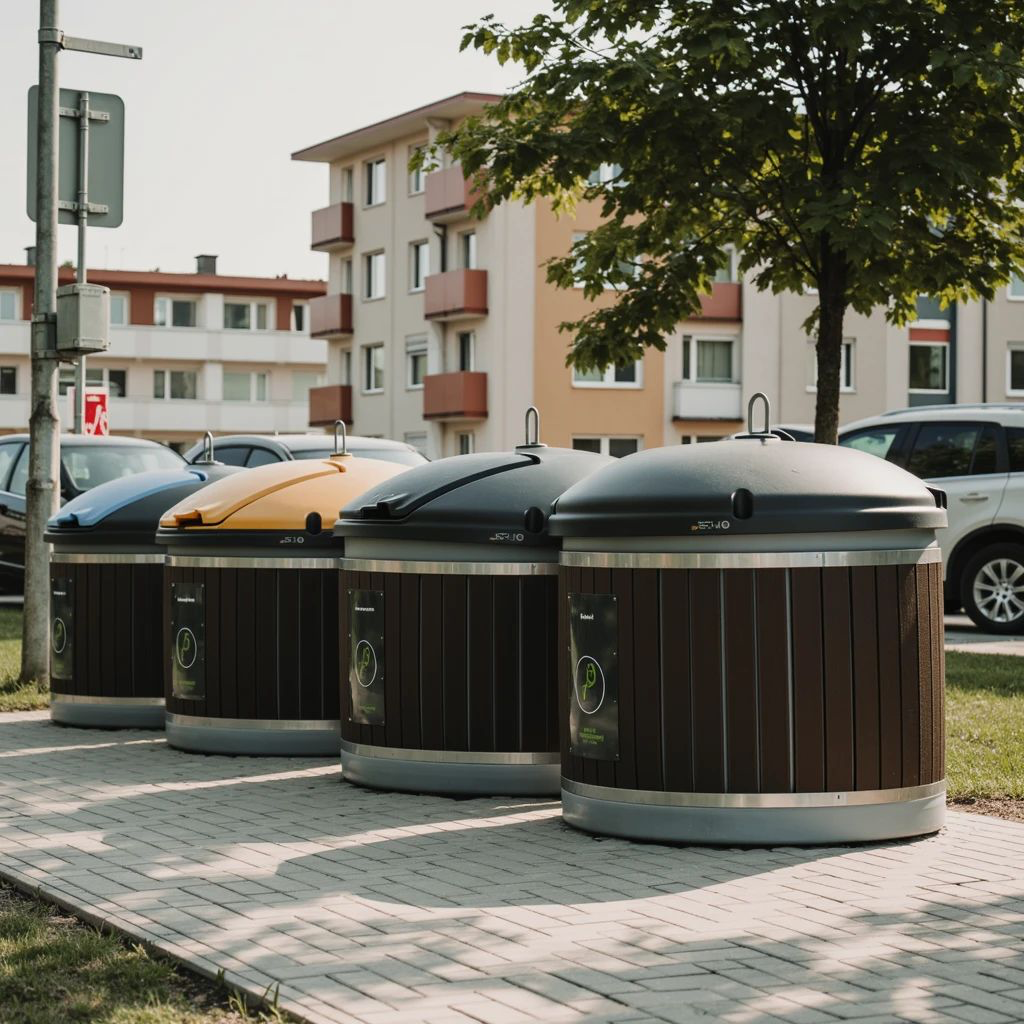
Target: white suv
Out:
[975,453]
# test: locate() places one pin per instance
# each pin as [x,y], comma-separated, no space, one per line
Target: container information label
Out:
[594,676]
[188,641]
[62,627]
[366,667]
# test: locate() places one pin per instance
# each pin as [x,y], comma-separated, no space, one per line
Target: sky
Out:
[225,92]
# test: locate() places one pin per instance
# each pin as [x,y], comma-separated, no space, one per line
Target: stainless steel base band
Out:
[107,712]
[104,558]
[851,798]
[256,724]
[241,562]
[133,702]
[747,559]
[467,757]
[411,565]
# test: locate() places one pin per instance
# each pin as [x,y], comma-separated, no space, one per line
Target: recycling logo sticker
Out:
[590,685]
[60,636]
[62,626]
[185,647]
[594,676]
[366,663]
[366,666]
[188,646]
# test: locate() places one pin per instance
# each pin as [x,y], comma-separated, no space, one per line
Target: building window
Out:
[709,360]
[467,444]
[240,386]
[847,366]
[467,250]
[299,316]
[418,440]
[373,275]
[416,175]
[346,184]
[627,269]
[114,381]
[928,367]
[617,447]
[604,174]
[302,381]
[1015,290]
[8,304]
[467,350]
[8,380]
[630,376]
[245,316]
[373,368]
[419,265]
[346,277]
[728,274]
[345,367]
[1015,368]
[118,309]
[375,172]
[174,312]
[415,362]
[174,384]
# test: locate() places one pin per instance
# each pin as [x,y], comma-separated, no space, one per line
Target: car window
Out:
[262,457]
[19,478]
[873,440]
[312,453]
[1015,443]
[230,455]
[8,453]
[985,451]
[944,449]
[89,466]
[400,455]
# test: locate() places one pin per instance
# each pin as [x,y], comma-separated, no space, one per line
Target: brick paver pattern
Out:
[378,907]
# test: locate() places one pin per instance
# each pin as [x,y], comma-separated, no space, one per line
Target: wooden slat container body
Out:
[271,661]
[471,699]
[768,681]
[117,644]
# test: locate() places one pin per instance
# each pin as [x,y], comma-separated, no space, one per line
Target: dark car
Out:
[85,462]
[260,449]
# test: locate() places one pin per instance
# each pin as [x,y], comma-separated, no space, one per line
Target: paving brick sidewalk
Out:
[371,907]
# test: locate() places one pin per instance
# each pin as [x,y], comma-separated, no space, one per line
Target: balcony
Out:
[724,302]
[330,316]
[455,396]
[693,400]
[455,295]
[329,404]
[448,195]
[332,227]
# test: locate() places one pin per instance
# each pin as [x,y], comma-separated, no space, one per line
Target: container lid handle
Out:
[207,459]
[340,430]
[767,414]
[532,413]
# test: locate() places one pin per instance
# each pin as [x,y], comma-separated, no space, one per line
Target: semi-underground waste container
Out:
[448,593]
[106,577]
[752,646]
[251,607]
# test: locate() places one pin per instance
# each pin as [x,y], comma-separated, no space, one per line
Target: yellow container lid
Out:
[279,496]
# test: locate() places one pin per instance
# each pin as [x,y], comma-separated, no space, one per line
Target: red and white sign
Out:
[96,419]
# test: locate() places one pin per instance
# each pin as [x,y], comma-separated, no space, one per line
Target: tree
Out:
[872,150]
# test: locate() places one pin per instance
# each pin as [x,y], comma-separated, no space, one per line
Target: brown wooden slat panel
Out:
[454,622]
[924,660]
[165,653]
[865,676]
[808,681]
[230,642]
[328,703]
[601,772]
[890,729]
[677,726]
[393,660]
[318,617]
[349,729]
[538,653]
[625,767]
[910,693]
[267,697]
[839,741]
[506,680]
[245,653]
[480,616]
[706,658]
[939,674]
[373,734]
[97,683]
[408,671]
[773,697]
[568,583]
[646,678]
[431,665]
[116,641]
[741,725]
[289,615]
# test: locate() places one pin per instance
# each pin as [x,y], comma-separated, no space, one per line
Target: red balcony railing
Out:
[455,295]
[724,302]
[332,227]
[448,195]
[330,315]
[455,396]
[330,403]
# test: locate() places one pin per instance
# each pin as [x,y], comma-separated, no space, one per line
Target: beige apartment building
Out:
[442,329]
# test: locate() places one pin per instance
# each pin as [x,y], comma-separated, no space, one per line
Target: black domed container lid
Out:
[497,498]
[126,512]
[755,484]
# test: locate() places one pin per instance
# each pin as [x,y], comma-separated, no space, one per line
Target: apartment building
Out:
[188,352]
[442,328]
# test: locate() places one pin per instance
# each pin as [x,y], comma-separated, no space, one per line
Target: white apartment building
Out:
[188,352]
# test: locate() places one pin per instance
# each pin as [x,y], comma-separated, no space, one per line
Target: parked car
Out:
[85,462]
[260,449]
[976,454]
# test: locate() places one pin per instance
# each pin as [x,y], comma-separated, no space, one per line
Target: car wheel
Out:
[992,589]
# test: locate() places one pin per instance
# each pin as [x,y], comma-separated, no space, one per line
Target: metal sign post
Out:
[42,493]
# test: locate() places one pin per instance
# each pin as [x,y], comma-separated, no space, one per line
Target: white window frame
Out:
[604,174]
[945,376]
[692,341]
[1011,347]
[468,260]
[170,300]
[14,368]
[103,371]
[577,281]
[415,347]
[470,437]
[253,396]
[253,305]
[417,178]
[849,344]
[167,371]
[126,298]
[304,308]
[347,276]
[732,267]
[367,368]
[609,381]
[371,180]
[15,294]
[472,351]
[1009,288]
[370,280]
[415,248]
[605,440]
[345,367]
[347,182]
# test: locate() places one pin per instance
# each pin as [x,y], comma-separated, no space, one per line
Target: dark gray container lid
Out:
[753,484]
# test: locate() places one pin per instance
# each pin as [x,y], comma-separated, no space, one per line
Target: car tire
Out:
[992,589]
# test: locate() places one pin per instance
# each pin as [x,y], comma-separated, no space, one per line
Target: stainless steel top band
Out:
[104,558]
[780,800]
[448,756]
[240,562]
[746,559]
[74,698]
[450,568]
[260,724]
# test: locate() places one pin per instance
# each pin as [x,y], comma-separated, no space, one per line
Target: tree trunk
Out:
[829,349]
